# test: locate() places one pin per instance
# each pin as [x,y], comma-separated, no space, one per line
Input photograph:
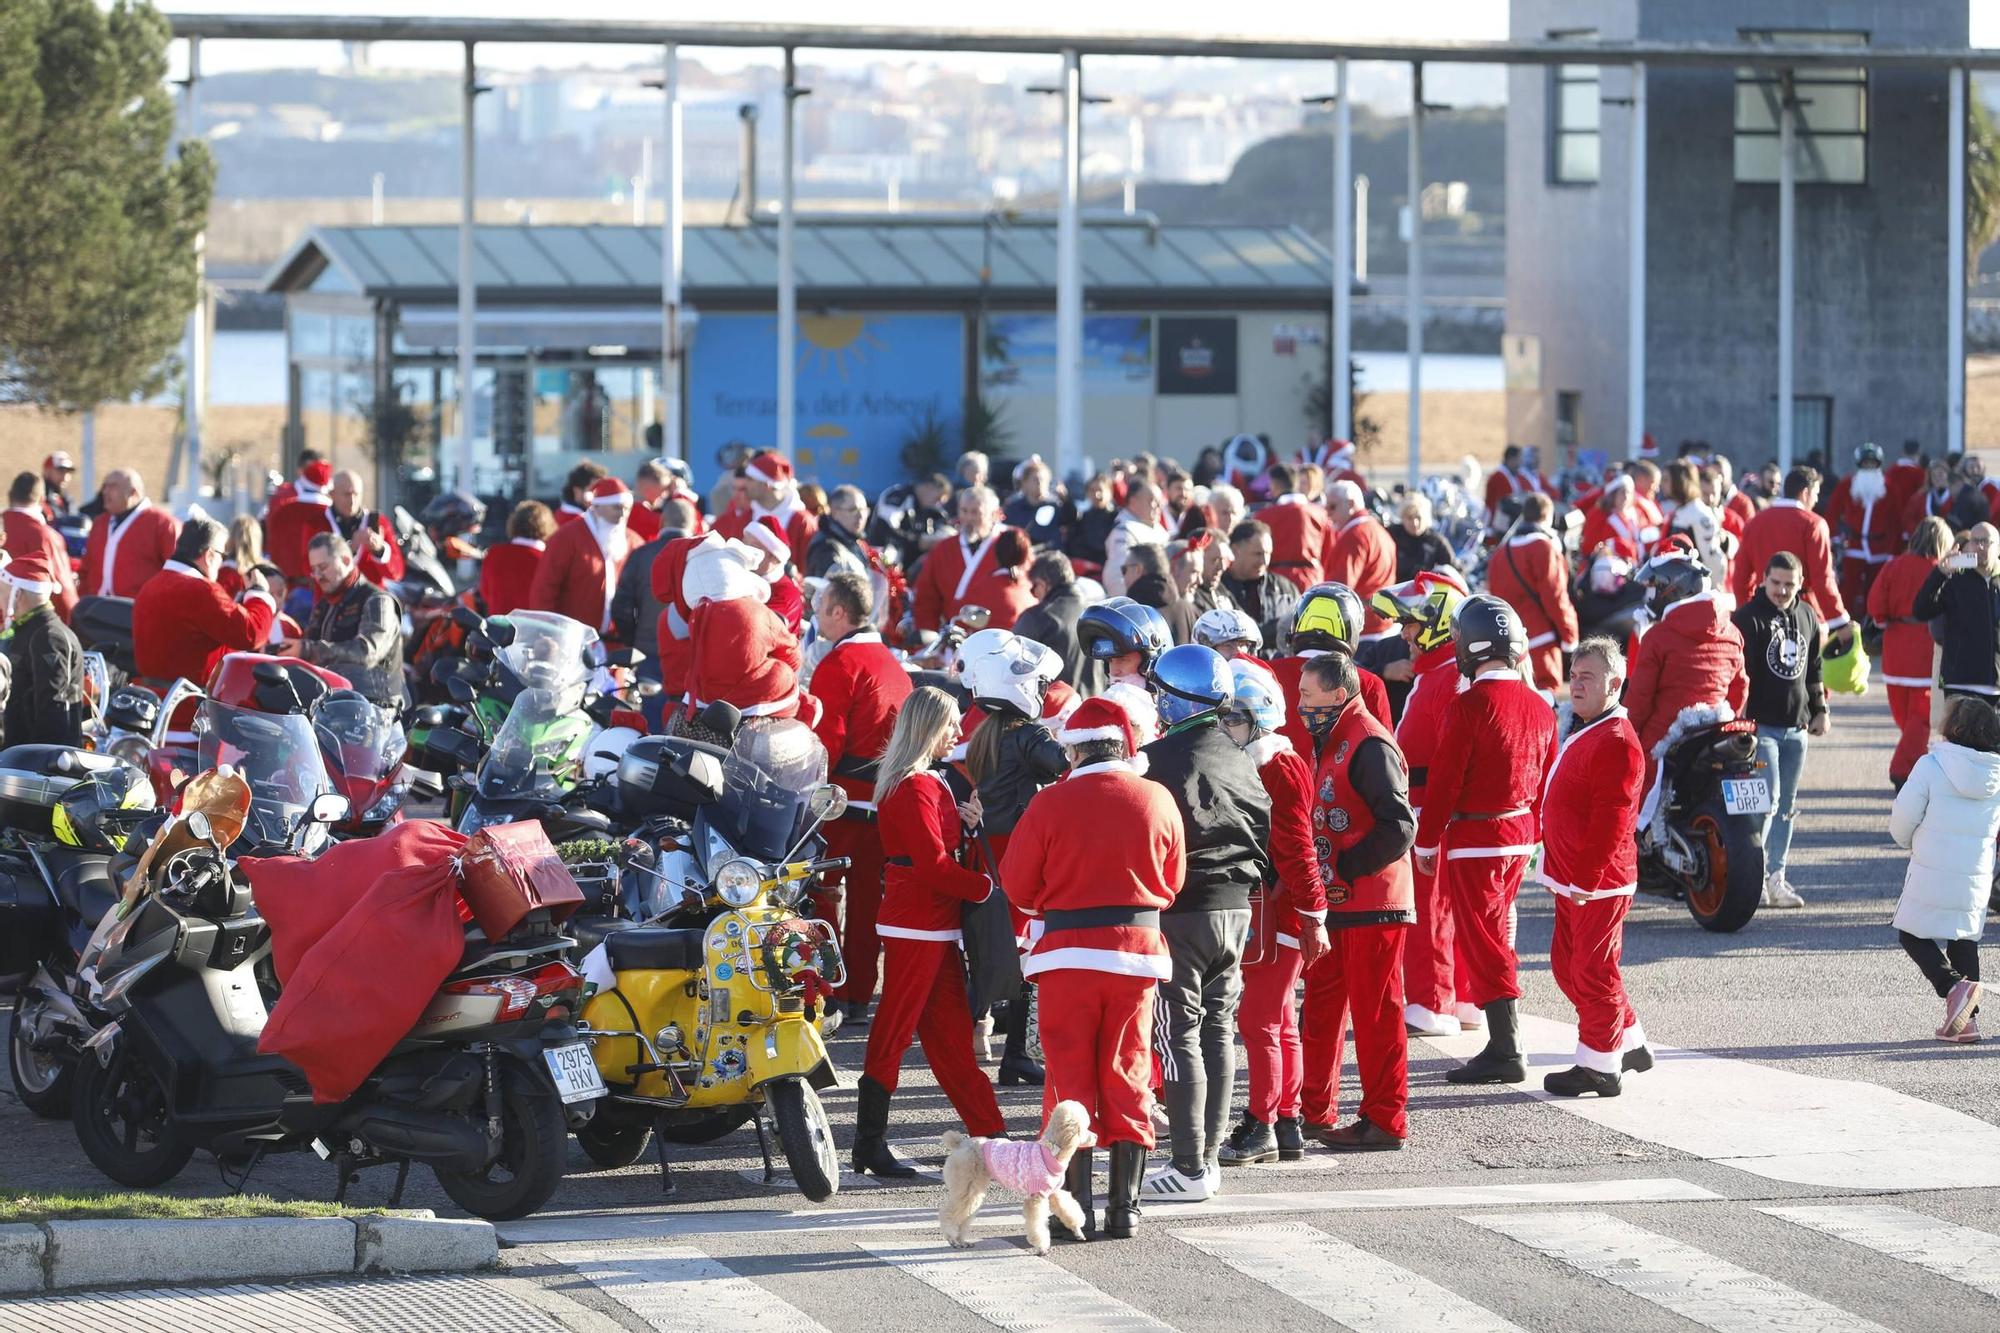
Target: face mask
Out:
[1319,718]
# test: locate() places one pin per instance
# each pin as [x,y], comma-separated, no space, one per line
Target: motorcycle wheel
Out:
[806,1136]
[1728,898]
[533,1144]
[613,1145]
[120,1115]
[41,1079]
[707,1126]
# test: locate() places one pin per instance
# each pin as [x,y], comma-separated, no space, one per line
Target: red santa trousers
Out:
[923,996]
[1910,705]
[1546,664]
[860,947]
[1267,1018]
[1429,948]
[1097,1045]
[1584,953]
[1482,891]
[1857,576]
[1359,977]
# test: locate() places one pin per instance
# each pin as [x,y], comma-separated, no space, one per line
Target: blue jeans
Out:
[1784,751]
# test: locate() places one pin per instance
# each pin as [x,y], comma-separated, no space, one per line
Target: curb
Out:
[41,1257]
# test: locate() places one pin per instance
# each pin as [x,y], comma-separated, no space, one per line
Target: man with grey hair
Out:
[973,469]
[354,627]
[837,543]
[1226,506]
[133,541]
[182,622]
[954,566]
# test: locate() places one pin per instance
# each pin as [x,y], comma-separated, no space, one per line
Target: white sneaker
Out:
[1471,1018]
[1421,1022]
[1168,1185]
[1778,893]
[1213,1175]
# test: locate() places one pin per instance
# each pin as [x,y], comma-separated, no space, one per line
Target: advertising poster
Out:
[1197,356]
[1019,357]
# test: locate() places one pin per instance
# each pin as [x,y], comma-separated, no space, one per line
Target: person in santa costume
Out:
[45,701]
[947,574]
[1335,460]
[1738,508]
[28,533]
[370,535]
[1645,475]
[1870,522]
[507,572]
[1481,819]
[788,597]
[285,491]
[774,494]
[1690,655]
[650,489]
[298,518]
[1288,932]
[1789,524]
[923,897]
[1301,532]
[1328,619]
[1363,555]
[1907,647]
[669,575]
[1590,862]
[740,652]
[1906,476]
[580,565]
[132,541]
[1613,522]
[1530,573]
[1003,589]
[1424,607]
[1511,481]
[182,623]
[860,686]
[1093,862]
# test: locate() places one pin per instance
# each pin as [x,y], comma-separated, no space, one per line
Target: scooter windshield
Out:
[538,751]
[277,755]
[771,771]
[549,652]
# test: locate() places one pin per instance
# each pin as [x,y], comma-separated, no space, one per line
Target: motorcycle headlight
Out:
[738,882]
[132,749]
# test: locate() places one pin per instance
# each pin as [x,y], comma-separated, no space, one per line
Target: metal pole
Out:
[788,279]
[1343,258]
[1635,279]
[670,263]
[1413,296]
[195,403]
[375,199]
[1785,221]
[1954,338]
[1361,229]
[89,452]
[468,299]
[1069,277]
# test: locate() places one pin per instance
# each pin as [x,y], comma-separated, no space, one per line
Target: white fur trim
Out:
[1077,736]
[1477,853]
[1634,1038]
[724,572]
[1542,640]
[910,933]
[1600,1062]
[752,470]
[1158,966]
[1908,682]
[1575,894]
[1264,748]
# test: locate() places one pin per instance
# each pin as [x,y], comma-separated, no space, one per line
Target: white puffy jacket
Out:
[1947,815]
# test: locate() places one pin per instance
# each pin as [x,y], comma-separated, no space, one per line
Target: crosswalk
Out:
[1252,1272]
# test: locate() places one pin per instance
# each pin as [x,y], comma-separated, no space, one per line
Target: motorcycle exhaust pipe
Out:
[452,1143]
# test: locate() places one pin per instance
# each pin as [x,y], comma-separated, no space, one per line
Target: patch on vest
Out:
[1340,752]
[1336,819]
[1326,788]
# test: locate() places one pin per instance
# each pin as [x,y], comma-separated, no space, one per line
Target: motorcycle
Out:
[120,718]
[1707,845]
[708,1014]
[364,748]
[255,681]
[104,625]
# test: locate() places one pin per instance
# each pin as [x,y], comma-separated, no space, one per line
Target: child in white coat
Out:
[1947,814]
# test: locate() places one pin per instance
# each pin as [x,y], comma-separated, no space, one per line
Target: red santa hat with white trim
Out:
[1099,719]
[609,488]
[29,571]
[766,533]
[769,467]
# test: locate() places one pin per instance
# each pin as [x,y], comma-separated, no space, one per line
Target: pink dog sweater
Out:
[1025,1166]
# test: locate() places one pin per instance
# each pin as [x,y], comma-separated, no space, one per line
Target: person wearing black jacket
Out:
[45,703]
[635,611]
[1265,597]
[1149,581]
[1227,814]
[836,543]
[1963,592]
[1781,653]
[1051,621]
[1037,509]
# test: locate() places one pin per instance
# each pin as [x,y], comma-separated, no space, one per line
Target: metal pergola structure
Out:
[1072,47]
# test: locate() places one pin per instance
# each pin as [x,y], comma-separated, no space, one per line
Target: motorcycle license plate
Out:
[1746,796]
[575,1072]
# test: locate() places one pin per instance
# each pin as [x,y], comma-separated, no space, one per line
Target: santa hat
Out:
[59,461]
[724,571]
[769,467]
[766,533]
[608,488]
[1341,454]
[318,473]
[29,571]
[1099,719]
[1648,446]
[1621,482]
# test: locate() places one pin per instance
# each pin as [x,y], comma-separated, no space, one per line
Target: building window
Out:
[1569,420]
[1830,121]
[1575,107]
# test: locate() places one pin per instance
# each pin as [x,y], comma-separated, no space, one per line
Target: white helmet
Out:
[1013,678]
[606,748]
[978,644]
[1226,624]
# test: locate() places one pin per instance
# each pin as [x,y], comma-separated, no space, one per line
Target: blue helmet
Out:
[1254,694]
[1119,626]
[1190,680]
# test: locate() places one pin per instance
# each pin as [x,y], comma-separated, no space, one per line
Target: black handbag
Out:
[992,958]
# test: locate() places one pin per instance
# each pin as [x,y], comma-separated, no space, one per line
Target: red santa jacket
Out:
[1341,818]
[1364,558]
[1693,656]
[1905,476]
[576,575]
[924,888]
[1620,528]
[1530,574]
[182,624]
[1743,507]
[378,570]
[291,526]
[1434,686]
[644,520]
[26,531]
[742,654]
[1872,529]
[1786,525]
[122,554]
[1374,694]
[1301,539]
[1652,519]
[669,575]
[1485,780]
[1003,592]
[1500,484]
[1924,503]
[860,687]
[792,519]
[1288,781]
[1102,837]
[507,574]
[567,513]
[946,579]
[1590,811]
[1907,646]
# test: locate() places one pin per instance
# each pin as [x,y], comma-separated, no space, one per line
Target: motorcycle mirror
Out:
[973,617]
[199,826]
[328,808]
[466,618]
[827,803]
[269,673]
[500,631]
[460,689]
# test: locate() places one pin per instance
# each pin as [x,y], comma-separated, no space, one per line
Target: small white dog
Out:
[1031,1168]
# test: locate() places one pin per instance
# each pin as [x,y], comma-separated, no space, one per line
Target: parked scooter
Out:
[1708,844]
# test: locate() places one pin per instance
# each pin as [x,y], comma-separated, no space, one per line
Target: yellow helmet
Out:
[1428,601]
[1328,618]
[78,820]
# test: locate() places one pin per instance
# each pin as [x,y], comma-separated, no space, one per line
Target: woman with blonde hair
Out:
[1907,647]
[924,892]
[244,553]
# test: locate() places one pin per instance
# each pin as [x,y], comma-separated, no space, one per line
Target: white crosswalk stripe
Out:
[1700,1287]
[1965,1255]
[676,1287]
[1355,1289]
[1013,1288]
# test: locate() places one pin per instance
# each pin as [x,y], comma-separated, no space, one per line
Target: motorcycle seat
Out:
[83,883]
[591,931]
[655,949]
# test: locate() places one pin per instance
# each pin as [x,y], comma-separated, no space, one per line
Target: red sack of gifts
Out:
[510,870]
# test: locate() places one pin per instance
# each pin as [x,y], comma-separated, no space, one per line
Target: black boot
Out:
[1291,1139]
[1575,1082]
[1501,1061]
[1015,1065]
[1250,1142]
[1636,1061]
[871,1130]
[1121,1201]
[1077,1182]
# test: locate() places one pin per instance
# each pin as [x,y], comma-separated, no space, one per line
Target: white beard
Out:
[1868,484]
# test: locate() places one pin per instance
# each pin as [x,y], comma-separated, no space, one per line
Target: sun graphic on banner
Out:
[836,342]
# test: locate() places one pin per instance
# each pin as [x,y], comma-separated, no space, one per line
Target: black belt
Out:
[1291,564]
[903,861]
[1083,918]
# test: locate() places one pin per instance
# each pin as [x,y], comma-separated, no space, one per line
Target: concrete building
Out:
[1870,237]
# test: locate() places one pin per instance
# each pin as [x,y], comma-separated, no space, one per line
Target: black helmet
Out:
[453,514]
[1486,629]
[1120,626]
[1328,618]
[1669,577]
[1868,455]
